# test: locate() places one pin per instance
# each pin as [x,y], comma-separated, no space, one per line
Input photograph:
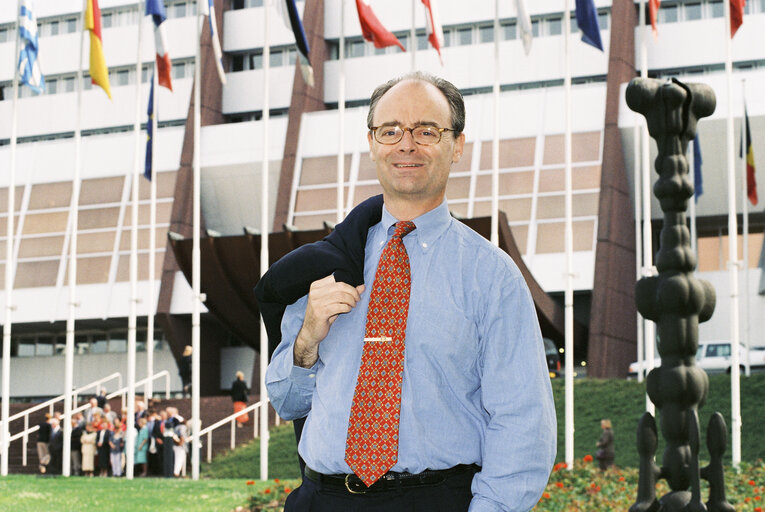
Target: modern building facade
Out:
[303,147]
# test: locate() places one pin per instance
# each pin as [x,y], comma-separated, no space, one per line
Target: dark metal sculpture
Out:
[677,302]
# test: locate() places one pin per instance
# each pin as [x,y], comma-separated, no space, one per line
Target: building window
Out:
[603,20]
[44,347]
[99,344]
[26,348]
[692,12]
[464,36]
[356,49]
[67,84]
[554,26]
[535,28]
[509,31]
[486,33]
[51,85]
[422,41]
[668,13]
[81,345]
[276,58]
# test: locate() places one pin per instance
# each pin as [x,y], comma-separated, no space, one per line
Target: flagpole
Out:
[149,388]
[195,251]
[341,123]
[733,262]
[649,328]
[69,360]
[495,144]
[264,254]
[9,239]
[132,313]
[745,204]
[413,37]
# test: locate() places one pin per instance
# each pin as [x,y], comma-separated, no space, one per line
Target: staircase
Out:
[211,408]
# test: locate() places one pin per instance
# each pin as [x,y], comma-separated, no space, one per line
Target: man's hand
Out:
[326,299]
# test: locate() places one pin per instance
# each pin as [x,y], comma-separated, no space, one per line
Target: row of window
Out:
[118,77]
[112,342]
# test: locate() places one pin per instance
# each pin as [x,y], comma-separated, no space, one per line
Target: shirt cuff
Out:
[480,504]
[304,378]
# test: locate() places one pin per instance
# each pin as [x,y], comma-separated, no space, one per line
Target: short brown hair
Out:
[451,93]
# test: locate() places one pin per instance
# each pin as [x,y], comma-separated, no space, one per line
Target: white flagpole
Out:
[264,255]
[495,144]
[9,239]
[149,388]
[733,262]
[132,313]
[73,221]
[649,328]
[692,173]
[569,239]
[196,277]
[341,123]
[745,204]
[413,37]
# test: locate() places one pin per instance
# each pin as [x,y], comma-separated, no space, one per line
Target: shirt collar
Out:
[429,225]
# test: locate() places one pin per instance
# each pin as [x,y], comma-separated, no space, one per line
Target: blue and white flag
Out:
[587,19]
[698,185]
[29,65]
[149,133]
[208,9]
[291,18]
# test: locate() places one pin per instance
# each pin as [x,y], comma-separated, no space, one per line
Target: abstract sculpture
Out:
[677,302]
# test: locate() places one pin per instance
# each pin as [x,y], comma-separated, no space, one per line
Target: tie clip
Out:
[381,338]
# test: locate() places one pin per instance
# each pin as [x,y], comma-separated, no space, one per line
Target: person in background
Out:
[102,445]
[605,445]
[184,370]
[239,397]
[109,415]
[116,447]
[101,398]
[180,446]
[56,446]
[168,433]
[78,426]
[155,446]
[43,438]
[88,442]
[91,411]
[142,447]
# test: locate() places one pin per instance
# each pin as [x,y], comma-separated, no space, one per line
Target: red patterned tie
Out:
[372,444]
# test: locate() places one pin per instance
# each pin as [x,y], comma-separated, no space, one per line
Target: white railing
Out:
[232,420]
[24,434]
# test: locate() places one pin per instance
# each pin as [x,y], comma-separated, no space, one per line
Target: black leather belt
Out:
[390,480]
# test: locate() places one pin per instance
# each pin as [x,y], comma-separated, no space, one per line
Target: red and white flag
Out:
[156,9]
[374,31]
[736,15]
[653,10]
[433,25]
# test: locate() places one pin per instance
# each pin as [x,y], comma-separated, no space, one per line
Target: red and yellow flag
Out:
[99,73]
[748,154]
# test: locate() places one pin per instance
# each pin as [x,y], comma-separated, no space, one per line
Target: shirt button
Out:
[424,244]
[312,375]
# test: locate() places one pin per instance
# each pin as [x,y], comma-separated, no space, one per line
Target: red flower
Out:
[546,495]
[559,484]
[757,498]
[587,458]
[276,480]
[559,466]
[752,483]
[250,482]
[267,490]
[757,509]
[287,490]
[621,479]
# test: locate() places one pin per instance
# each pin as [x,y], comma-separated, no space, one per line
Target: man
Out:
[56,446]
[78,427]
[437,396]
[90,412]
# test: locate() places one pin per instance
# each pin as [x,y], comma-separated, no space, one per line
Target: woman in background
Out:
[239,397]
[605,453]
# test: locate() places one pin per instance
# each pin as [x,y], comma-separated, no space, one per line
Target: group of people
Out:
[99,439]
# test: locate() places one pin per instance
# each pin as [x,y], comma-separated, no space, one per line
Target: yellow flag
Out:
[99,73]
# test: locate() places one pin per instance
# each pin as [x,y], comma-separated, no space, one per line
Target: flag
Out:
[746,138]
[433,26]
[587,19]
[698,186]
[208,9]
[524,24]
[149,132]
[99,73]
[29,65]
[736,15]
[156,9]
[653,10]
[371,28]
[291,18]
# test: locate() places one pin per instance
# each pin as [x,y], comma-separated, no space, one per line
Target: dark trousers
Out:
[168,457]
[452,495]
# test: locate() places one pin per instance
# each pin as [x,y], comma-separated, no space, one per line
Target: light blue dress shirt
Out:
[475,386]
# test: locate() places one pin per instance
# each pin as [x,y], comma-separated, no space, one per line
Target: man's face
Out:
[406,170]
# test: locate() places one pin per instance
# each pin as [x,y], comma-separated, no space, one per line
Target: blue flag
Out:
[149,133]
[698,185]
[29,66]
[291,18]
[587,19]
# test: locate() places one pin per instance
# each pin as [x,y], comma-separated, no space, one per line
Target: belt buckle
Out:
[348,486]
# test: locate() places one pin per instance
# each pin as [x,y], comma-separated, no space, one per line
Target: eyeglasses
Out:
[423,134]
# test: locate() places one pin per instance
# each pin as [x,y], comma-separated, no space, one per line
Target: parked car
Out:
[712,357]
[553,357]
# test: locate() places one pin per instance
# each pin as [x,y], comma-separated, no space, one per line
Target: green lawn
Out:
[231,480]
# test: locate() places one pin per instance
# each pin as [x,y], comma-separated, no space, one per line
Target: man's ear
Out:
[371,142]
[459,147]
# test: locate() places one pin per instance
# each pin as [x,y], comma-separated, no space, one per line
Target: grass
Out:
[231,480]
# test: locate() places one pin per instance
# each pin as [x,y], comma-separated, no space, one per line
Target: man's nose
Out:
[407,143]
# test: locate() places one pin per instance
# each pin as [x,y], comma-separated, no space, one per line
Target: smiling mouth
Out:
[406,166]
